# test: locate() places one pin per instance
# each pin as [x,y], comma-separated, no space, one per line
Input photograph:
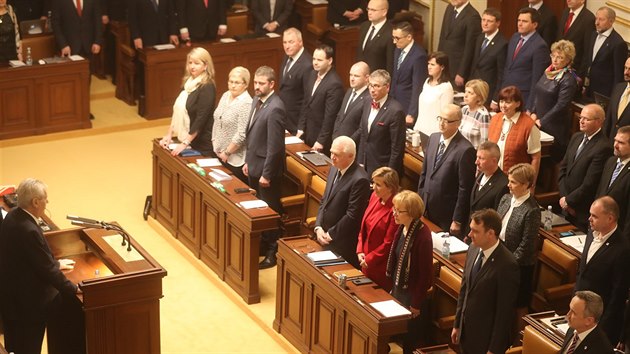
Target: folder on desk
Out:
[316,158]
[323,257]
[390,308]
[350,274]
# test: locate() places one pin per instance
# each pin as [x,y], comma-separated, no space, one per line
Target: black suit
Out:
[595,342]
[485,307]
[336,9]
[619,190]
[341,210]
[489,64]
[489,196]
[579,177]
[292,87]
[457,39]
[77,32]
[378,52]
[261,11]
[348,120]
[202,22]
[153,27]
[579,33]
[613,121]
[608,275]
[548,24]
[606,70]
[445,188]
[407,80]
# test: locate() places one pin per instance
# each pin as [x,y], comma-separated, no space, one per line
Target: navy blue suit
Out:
[489,64]
[153,27]
[407,80]
[606,70]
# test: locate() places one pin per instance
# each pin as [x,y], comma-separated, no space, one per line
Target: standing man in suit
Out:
[582,166]
[201,20]
[491,182]
[576,25]
[375,43]
[527,57]
[448,173]
[485,307]
[343,204]
[410,69]
[460,28]
[322,100]
[490,52]
[264,166]
[349,116]
[617,112]
[32,280]
[584,334]
[150,24]
[605,54]
[381,134]
[605,264]
[548,24]
[77,27]
[296,67]
[268,20]
[347,12]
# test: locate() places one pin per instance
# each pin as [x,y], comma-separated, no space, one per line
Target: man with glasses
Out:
[448,173]
[375,43]
[582,166]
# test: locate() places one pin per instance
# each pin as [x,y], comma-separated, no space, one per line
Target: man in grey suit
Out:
[485,307]
[618,110]
[349,116]
[264,165]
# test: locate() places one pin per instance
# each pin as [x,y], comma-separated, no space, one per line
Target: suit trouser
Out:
[23,337]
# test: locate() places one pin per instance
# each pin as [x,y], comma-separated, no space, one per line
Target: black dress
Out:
[7,39]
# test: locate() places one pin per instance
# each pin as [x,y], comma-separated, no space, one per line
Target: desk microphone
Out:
[95,224]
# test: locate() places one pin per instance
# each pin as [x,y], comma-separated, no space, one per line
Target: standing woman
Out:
[378,227]
[475,116]
[10,43]
[410,262]
[437,93]
[193,108]
[230,122]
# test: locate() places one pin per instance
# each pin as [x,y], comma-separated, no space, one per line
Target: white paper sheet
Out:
[76,57]
[292,140]
[575,241]
[253,204]
[457,245]
[211,162]
[390,308]
[219,175]
[320,256]
[163,46]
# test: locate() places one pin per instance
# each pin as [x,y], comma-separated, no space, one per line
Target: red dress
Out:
[375,239]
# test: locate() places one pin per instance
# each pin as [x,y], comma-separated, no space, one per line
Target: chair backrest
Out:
[297,176]
[412,168]
[535,342]
[319,17]
[446,286]
[314,194]
[236,24]
[555,267]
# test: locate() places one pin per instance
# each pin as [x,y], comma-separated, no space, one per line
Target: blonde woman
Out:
[10,43]
[192,112]
[475,117]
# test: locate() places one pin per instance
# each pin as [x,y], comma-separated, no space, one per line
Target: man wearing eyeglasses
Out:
[448,173]
[375,43]
[582,166]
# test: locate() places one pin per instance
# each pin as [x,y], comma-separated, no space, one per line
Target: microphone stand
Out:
[95,224]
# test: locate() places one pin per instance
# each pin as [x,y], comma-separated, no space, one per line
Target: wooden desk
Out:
[305,11]
[317,316]
[163,70]
[42,99]
[293,149]
[535,320]
[42,46]
[211,223]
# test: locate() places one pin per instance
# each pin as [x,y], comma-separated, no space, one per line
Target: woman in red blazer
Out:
[378,227]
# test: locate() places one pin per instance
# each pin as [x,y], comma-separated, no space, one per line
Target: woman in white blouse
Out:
[436,94]
[230,122]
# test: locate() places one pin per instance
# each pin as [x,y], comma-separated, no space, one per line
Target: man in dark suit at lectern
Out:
[584,335]
[78,27]
[376,47]
[201,20]
[576,25]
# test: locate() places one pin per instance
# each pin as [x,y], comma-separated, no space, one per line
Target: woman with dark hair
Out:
[10,43]
[436,94]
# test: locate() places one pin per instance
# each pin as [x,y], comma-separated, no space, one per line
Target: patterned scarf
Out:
[401,276]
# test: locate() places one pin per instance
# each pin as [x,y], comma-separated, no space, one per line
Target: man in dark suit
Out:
[264,166]
[548,24]
[490,52]
[78,29]
[584,334]
[32,281]
[349,116]
[460,28]
[491,183]
[527,57]
[605,54]
[201,20]
[343,204]
[150,25]
[485,307]
[618,111]
[381,134]
[346,13]
[576,25]
[322,100]
[605,264]
[580,172]
[268,20]
[448,173]
[295,69]
[375,38]
[410,69]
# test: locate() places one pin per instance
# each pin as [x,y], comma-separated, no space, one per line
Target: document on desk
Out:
[163,46]
[219,175]
[292,140]
[211,162]
[76,57]
[253,204]
[456,245]
[390,308]
[322,256]
[575,241]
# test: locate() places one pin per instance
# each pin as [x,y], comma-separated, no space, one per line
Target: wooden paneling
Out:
[211,242]
[187,216]
[164,198]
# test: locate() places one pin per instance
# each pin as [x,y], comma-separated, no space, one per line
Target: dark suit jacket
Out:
[292,87]
[579,178]
[528,66]
[261,11]
[579,33]
[445,188]
[595,342]
[457,39]
[341,210]
[548,24]
[608,275]
[384,145]
[78,32]
[521,233]
[407,80]
[200,107]
[202,22]
[320,108]
[337,8]
[619,190]
[151,26]
[489,196]
[379,52]
[606,70]
[348,122]
[265,139]
[29,274]
[613,122]
[485,308]
[489,65]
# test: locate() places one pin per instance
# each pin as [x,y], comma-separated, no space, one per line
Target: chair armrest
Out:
[514,350]
[310,222]
[292,200]
[446,322]
[314,29]
[559,292]
[127,51]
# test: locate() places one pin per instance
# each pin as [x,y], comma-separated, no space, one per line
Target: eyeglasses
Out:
[557,57]
[235,82]
[398,212]
[396,39]
[588,119]
[445,121]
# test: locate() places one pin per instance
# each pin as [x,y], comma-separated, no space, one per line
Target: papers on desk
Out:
[317,2]
[390,308]
[575,241]
[544,137]
[76,57]
[457,245]
[253,204]
[164,46]
[292,140]
[212,162]
[272,35]
[227,40]
[323,257]
[220,176]
[16,63]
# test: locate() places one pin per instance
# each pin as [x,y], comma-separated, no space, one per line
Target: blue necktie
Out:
[484,45]
[440,153]
[476,267]
[615,172]
[581,147]
[400,59]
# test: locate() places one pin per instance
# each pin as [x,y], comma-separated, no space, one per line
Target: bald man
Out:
[349,116]
[375,38]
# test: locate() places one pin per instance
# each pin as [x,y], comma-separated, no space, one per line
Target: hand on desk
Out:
[65,51]
[414,312]
[165,141]
[178,149]
[66,264]
[362,262]
[323,237]
[263,182]
[318,147]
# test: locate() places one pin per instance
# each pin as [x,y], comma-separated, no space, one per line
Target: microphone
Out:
[95,224]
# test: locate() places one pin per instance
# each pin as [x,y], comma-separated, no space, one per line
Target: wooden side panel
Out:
[357,341]
[17,111]
[324,324]
[137,328]
[212,244]
[187,211]
[164,196]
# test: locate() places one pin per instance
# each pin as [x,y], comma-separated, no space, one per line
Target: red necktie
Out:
[518,48]
[568,23]
[205,2]
[376,105]
[79,10]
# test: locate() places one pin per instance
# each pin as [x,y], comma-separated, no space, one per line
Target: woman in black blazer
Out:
[194,107]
